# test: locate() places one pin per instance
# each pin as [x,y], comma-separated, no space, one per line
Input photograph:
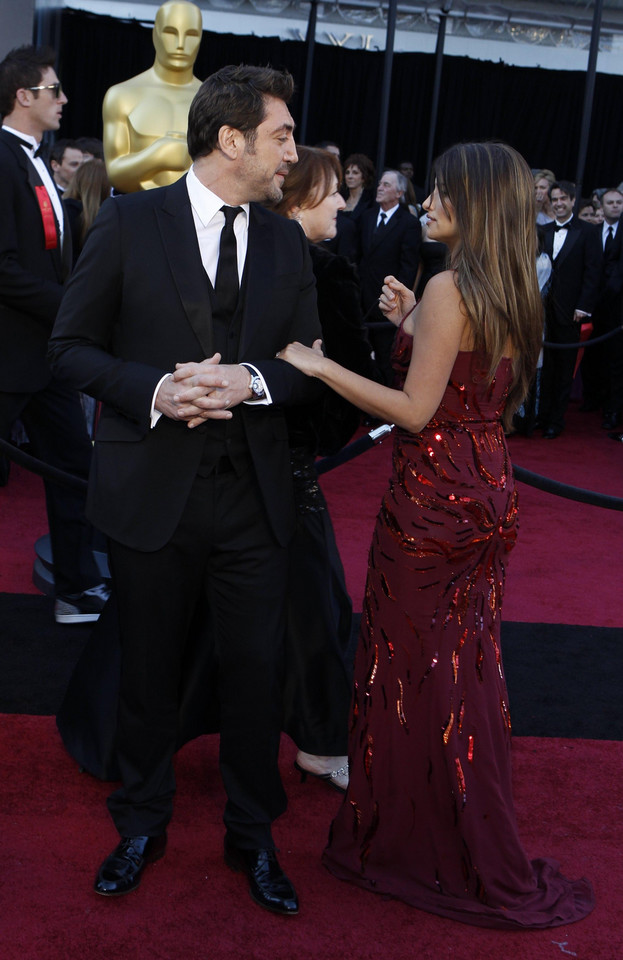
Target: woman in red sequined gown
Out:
[428,816]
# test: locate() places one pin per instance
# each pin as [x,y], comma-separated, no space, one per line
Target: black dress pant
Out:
[602,365]
[56,428]
[222,550]
[558,370]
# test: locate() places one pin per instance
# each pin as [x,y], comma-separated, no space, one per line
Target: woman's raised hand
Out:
[396,300]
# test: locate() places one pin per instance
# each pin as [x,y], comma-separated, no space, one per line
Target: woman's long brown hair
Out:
[491,191]
[91,186]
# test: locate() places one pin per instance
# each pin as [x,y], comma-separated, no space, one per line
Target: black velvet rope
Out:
[525,476]
[583,343]
[349,452]
[567,491]
[42,469]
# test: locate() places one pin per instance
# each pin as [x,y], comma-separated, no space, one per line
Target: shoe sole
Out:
[76,617]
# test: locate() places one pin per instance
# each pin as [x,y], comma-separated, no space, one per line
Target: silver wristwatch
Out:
[257,387]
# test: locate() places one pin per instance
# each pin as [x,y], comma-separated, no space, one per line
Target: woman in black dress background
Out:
[318,667]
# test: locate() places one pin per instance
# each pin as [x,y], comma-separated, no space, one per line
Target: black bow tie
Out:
[39,152]
[561,226]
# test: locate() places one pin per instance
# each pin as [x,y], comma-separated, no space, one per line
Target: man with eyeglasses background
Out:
[35,257]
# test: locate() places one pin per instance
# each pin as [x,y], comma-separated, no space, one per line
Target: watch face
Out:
[256,387]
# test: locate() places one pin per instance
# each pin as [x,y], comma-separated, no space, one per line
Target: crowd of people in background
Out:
[580,270]
[375,234]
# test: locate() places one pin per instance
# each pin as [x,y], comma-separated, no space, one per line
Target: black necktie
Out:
[381,222]
[609,240]
[227,285]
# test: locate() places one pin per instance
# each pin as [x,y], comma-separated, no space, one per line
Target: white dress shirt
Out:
[604,231]
[560,236]
[388,214]
[209,221]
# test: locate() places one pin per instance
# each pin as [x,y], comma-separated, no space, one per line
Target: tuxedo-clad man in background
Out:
[35,254]
[65,158]
[575,251]
[390,238]
[181,300]
[602,365]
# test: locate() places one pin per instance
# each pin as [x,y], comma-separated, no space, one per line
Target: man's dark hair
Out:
[22,67]
[91,145]
[566,186]
[233,96]
[58,150]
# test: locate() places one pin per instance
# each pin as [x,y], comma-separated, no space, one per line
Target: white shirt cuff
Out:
[266,400]
[154,415]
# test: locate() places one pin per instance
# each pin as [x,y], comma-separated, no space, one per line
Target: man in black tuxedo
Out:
[65,158]
[35,254]
[390,239]
[574,249]
[181,300]
[602,365]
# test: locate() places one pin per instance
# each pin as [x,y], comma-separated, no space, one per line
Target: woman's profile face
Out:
[353,177]
[441,224]
[320,222]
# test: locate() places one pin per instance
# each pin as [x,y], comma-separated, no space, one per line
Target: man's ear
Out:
[21,96]
[230,141]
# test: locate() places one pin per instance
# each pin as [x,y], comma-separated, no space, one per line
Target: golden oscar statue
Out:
[145,117]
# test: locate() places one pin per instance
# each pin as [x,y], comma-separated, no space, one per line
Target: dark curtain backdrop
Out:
[537,111]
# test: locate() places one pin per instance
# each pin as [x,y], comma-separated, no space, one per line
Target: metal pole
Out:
[387,83]
[589,92]
[309,63]
[434,108]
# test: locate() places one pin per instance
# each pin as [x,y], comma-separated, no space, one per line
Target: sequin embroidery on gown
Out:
[429,816]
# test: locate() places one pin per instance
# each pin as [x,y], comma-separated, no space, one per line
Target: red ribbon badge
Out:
[49,220]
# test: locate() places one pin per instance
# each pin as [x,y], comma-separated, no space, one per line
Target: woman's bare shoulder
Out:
[443,283]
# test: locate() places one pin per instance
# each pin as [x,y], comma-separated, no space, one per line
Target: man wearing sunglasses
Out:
[35,254]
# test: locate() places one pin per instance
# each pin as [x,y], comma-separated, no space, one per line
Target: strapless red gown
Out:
[429,816]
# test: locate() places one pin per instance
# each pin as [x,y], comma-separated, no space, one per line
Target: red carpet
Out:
[55,829]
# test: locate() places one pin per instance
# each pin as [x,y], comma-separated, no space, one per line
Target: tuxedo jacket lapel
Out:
[177,229]
[379,236]
[568,245]
[548,234]
[259,274]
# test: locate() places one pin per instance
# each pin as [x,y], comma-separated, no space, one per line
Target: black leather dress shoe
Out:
[616,436]
[550,433]
[122,870]
[268,884]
